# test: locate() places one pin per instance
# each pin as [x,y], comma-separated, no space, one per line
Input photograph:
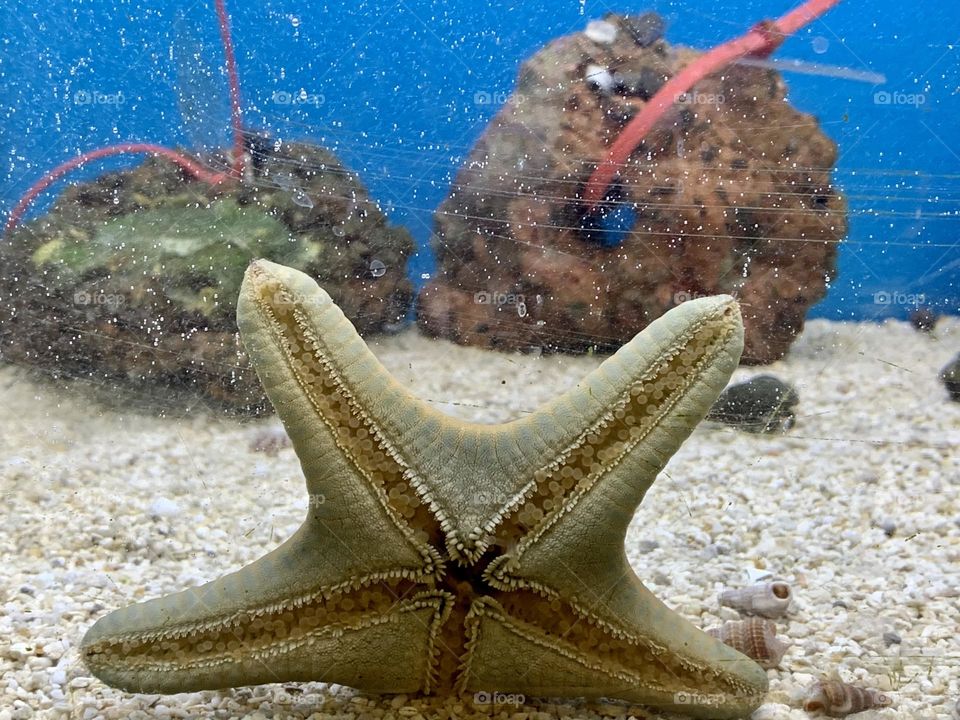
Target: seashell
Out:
[755,638]
[769,599]
[838,699]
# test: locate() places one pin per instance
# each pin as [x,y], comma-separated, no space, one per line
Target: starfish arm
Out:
[609,437]
[537,646]
[314,365]
[311,363]
[632,413]
[359,531]
[272,621]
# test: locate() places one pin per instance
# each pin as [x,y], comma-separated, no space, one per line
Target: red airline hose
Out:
[190,165]
[233,79]
[50,177]
[760,41]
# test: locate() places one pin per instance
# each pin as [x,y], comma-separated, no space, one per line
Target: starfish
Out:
[441,556]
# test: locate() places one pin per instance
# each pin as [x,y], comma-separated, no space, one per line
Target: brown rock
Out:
[150,346]
[730,193]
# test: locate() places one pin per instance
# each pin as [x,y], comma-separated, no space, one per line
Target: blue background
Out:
[394,88]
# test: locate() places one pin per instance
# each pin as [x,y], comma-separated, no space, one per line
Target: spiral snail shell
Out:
[838,699]
[755,638]
[768,599]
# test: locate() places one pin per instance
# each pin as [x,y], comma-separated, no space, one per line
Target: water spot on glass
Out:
[820,44]
[377,268]
[302,199]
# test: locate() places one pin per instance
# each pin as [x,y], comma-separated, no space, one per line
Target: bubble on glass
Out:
[339,231]
[302,199]
[377,268]
[820,44]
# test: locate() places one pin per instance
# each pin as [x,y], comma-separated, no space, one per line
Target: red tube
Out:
[184,161]
[233,78]
[760,41]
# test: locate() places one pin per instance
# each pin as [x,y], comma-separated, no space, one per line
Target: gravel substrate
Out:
[858,507]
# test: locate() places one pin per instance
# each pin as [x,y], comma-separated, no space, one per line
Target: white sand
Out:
[104,508]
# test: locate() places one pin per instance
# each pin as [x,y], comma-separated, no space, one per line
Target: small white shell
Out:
[601,31]
[769,599]
[755,638]
[837,699]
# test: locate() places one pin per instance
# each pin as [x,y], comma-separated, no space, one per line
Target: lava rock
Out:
[643,84]
[764,404]
[730,192]
[131,280]
[644,29]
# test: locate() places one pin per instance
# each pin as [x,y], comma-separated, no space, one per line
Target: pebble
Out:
[647,546]
[163,507]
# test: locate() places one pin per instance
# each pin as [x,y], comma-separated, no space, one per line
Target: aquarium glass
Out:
[341,342]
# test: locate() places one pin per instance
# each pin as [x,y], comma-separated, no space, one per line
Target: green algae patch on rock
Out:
[196,256]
